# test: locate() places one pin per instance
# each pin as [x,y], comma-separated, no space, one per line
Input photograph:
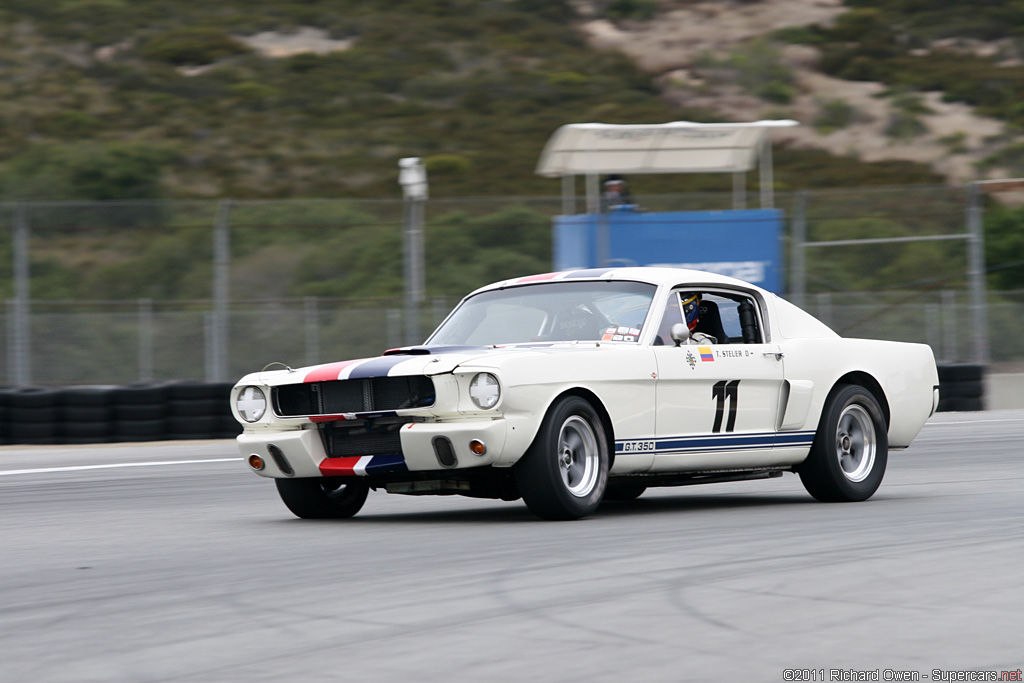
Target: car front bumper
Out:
[301,453]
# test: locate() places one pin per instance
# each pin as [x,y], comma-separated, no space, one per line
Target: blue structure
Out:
[740,243]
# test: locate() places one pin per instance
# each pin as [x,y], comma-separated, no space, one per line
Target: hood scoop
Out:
[408,351]
[430,350]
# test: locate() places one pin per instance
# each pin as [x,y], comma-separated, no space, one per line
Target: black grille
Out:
[345,440]
[377,394]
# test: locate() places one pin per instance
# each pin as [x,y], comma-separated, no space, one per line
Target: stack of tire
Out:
[199,410]
[85,415]
[32,415]
[130,413]
[139,412]
[961,387]
[4,437]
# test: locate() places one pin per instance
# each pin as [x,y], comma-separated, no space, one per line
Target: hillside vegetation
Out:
[128,99]
[140,99]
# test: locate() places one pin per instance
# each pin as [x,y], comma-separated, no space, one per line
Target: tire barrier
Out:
[961,387]
[200,410]
[105,414]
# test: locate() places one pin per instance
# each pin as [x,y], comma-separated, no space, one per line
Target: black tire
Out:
[963,372]
[197,407]
[622,491]
[958,405]
[93,430]
[34,432]
[47,414]
[187,390]
[33,397]
[83,413]
[133,394]
[974,388]
[141,411]
[203,427]
[323,497]
[850,450]
[139,430]
[564,473]
[87,396]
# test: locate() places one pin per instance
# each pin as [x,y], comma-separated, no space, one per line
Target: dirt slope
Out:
[687,34]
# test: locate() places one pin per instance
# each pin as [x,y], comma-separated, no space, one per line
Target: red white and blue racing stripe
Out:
[562,275]
[362,465]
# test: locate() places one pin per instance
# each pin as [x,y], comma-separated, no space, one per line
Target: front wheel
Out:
[850,450]
[323,497]
[564,473]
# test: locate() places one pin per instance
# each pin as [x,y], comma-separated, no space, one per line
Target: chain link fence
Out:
[118,292]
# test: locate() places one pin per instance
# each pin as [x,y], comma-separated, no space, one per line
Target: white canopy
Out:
[592,149]
[677,147]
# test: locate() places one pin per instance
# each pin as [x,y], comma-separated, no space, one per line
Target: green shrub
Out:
[956,142]
[447,164]
[254,95]
[192,46]
[632,9]
[834,115]
[762,72]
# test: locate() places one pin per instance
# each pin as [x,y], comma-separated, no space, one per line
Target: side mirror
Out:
[680,333]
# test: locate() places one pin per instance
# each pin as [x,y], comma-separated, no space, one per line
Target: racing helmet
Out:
[691,309]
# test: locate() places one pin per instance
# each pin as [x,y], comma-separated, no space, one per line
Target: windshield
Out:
[549,311]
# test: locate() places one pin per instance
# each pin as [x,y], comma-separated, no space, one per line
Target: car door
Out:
[717,404]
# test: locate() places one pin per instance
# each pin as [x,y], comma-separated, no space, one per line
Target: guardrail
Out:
[200,410]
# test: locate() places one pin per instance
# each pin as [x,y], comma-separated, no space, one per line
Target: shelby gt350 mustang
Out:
[571,388]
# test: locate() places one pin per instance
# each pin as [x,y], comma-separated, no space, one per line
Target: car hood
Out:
[419,360]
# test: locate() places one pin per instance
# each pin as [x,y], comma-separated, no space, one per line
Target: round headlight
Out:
[251,404]
[484,390]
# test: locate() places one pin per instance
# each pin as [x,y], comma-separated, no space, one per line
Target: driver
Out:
[691,313]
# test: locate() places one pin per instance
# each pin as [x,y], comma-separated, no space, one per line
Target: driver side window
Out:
[729,317]
[733,315]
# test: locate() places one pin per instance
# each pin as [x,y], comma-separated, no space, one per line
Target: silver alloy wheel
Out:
[855,442]
[578,456]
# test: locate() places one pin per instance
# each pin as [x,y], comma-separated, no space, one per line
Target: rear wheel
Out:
[564,473]
[850,450]
[323,497]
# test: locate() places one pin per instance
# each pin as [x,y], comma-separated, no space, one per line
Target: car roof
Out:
[669,277]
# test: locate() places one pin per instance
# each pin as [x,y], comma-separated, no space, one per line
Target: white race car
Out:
[571,388]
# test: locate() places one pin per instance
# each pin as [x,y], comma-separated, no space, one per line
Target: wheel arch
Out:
[598,406]
[869,383]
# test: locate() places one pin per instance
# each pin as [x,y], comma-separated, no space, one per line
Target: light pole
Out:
[413,179]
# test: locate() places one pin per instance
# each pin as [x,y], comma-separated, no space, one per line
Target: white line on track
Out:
[970,422]
[80,468]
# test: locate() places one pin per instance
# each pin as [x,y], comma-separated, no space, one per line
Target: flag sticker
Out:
[705,354]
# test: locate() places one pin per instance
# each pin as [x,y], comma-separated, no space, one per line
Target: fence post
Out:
[824,308]
[798,253]
[221,292]
[414,278]
[739,190]
[209,344]
[20,353]
[976,275]
[767,175]
[145,340]
[312,328]
[394,328]
[950,328]
[413,179]
[568,195]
